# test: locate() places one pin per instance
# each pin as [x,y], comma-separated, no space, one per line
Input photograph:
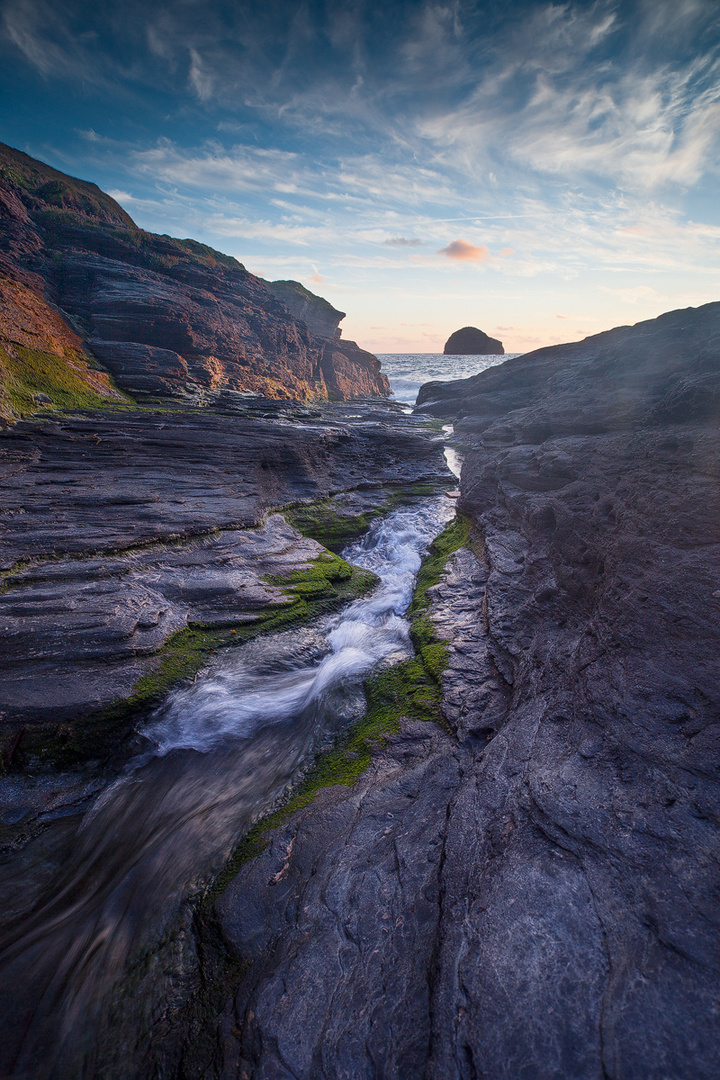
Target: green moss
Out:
[26,372]
[455,536]
[322,521]
[323,586]
[408,690]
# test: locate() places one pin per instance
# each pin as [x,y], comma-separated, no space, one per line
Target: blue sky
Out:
[541,170]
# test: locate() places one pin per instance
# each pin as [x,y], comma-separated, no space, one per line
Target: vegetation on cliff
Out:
[165,316]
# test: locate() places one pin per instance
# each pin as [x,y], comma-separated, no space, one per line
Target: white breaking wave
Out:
[408,371]
[235,700]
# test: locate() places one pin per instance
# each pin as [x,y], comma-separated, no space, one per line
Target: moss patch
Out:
[323,521]
[431,649]
[27,372]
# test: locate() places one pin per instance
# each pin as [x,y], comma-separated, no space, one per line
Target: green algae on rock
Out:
[317,588]
[410,689]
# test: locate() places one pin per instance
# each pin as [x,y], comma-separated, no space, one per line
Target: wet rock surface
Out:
[348,888]
[119,529]
[78,634]
[535,894]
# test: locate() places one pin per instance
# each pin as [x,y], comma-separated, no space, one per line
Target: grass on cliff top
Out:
[33,371]
[408,690]
[323,586]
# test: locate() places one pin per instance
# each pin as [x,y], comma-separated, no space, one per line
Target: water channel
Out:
[219,754]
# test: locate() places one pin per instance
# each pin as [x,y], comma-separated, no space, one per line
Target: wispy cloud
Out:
[403,241]
[577,143]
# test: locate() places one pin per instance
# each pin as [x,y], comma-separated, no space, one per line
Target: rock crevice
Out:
[570,828]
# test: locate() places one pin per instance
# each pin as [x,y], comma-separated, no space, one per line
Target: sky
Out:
[543,171]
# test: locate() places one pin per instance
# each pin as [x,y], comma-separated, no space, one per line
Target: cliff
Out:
[164,316]
[42,360]
[320,317]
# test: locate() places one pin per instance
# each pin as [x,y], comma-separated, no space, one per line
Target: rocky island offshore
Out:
[270,810]
[469,341]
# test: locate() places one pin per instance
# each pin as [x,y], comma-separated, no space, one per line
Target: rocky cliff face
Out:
[164,316]
[42,360]
[534,891]
[320,317]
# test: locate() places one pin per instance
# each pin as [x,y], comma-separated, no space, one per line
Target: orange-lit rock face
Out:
[41,357]
[165,316]
[27,319]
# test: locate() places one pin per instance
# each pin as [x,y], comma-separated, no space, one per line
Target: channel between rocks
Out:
[126,932]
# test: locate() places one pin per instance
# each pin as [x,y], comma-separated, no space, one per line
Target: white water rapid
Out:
[239,696]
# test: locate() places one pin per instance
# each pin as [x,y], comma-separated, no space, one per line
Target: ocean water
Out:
[408,371]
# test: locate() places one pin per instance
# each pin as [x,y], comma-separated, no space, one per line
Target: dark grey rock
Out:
[339,918]
[110,481]
[472,342]
[120,529]
[576,933]
[623,376]
[78,634]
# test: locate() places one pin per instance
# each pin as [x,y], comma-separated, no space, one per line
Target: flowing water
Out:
[222,751]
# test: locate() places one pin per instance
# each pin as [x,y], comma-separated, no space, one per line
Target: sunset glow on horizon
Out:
[543,171]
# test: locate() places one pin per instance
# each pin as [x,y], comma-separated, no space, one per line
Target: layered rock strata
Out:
[534,892]
[164,316]
[320,317]
[122,528]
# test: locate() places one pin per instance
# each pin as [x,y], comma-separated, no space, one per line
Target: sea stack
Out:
[472,342]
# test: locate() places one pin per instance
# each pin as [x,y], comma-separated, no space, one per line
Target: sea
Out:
[408,371]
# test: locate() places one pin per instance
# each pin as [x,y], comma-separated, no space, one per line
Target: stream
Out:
[220,753]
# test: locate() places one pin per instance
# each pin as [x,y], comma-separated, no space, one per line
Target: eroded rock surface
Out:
[78,634]
[535,895]
[121,528]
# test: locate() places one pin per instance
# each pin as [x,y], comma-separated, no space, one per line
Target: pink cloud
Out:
[317,279]
[464,251]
